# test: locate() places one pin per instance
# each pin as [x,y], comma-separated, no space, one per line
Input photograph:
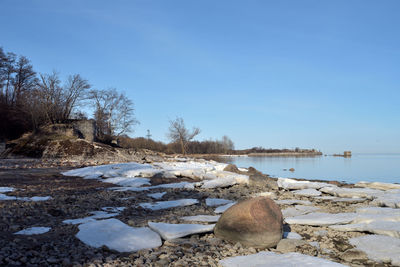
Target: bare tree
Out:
[180,134]
[24,80]
[114,112]
[58,102]
[74,90]
[227,144]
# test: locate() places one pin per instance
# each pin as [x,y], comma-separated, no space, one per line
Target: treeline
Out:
[223,146]
[272,150]
[29,100]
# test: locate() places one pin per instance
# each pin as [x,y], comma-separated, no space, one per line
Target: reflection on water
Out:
[360,167]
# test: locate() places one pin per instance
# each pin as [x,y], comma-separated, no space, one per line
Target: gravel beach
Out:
[73,197]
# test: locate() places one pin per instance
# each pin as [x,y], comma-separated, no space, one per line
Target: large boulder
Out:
[256,222]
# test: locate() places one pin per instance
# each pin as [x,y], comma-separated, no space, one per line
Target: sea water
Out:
[359,167]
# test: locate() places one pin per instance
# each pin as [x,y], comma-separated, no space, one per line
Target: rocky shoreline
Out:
[74,197]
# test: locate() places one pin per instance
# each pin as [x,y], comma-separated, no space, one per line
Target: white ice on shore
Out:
[117,236]
[33,231]
[225,179]
[389,228]
[170,231]
[180,185]
[390,198]
[291,184]
[292,235]
[351,192]
[169,204]
[212,202]
[378,185]
[39,198]
[5,197]
[5,189]
[126,174]
[298,210]
[222,209]
[309,192]
[111,170]
[157,195]
[379,248]
[96,215]
[383,221]
[201,218]
[127,181]
[320,219]
[267,259]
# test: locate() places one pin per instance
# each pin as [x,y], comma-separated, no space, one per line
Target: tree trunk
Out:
[183,147]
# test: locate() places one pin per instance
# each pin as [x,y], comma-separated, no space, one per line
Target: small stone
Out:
[289,245]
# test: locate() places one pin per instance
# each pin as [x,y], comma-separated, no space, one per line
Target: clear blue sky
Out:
[313,74]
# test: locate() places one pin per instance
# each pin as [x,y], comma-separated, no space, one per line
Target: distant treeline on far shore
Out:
[223,146]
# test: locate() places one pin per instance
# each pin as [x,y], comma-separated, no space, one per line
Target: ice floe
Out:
[217,202]
[380,248]
[378,185]
[157,195]
[298,210]
[4,189]
[96,215]
[309,192]
[319,218]
[39,198]
[5,197]
[33,231]
[351,192]
[126,174]
[391,198]
[292,235]
[389,228]
[127,181]
[223,208]
[117,236]
[266,259]
[171,231]
[169,204]
[201,218]
[291,184]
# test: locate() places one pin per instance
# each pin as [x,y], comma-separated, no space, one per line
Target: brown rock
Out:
[255,222]
[232,168]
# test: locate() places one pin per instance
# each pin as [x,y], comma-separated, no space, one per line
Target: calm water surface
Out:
[360,167]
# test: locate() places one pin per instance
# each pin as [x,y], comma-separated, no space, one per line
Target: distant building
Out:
[347,154]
